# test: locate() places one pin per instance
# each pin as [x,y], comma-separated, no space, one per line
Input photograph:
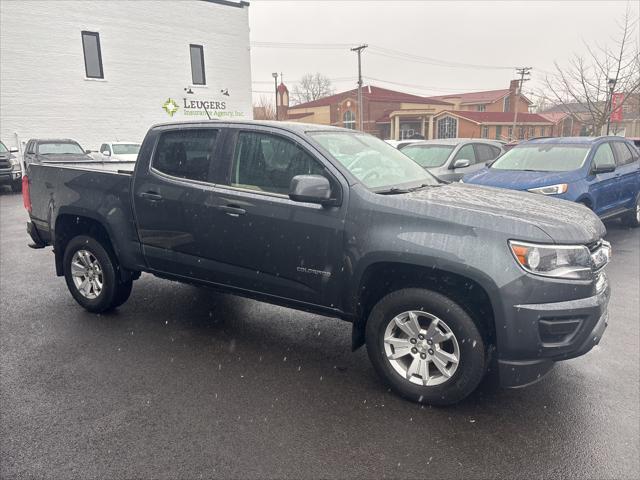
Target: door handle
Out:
[232,210]
[152,196]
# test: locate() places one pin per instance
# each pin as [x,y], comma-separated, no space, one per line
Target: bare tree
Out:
[582,88]
[264,109]
[311,86]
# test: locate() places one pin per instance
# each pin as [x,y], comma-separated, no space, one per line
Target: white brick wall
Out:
[145,56]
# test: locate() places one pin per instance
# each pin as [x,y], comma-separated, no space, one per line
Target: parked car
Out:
[442,282]
[55,150]
[448,159]
[602,173]
[403,143]
[10,168]
[120,151]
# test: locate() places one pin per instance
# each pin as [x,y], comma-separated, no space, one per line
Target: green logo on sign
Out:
[170,106]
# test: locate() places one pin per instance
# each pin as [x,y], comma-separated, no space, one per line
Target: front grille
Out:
[5,163]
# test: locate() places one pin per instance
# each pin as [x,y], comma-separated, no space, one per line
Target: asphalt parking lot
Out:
[181,382]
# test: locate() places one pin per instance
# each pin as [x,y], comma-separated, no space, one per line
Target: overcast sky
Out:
[482,34]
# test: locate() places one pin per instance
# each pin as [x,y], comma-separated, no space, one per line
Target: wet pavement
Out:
[181,382]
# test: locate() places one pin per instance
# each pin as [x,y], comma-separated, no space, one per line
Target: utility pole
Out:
[275,82]
[522,72]
[360,107]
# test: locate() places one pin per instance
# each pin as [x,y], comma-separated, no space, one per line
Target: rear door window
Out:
[267,163]
[187,153]
[623,153]
[486,152]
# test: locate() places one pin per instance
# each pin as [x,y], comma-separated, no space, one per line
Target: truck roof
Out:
[291,126]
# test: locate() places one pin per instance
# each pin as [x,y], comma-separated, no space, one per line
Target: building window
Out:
[521,133]
[447,127]
[482,108]
[197,65]
[498,132]
[349,120]
[92,55]
[506,104]
[532,132]
[510,133]
[485,132]
[542,132]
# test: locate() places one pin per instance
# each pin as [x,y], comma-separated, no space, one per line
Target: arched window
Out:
[349,120]
[447,127]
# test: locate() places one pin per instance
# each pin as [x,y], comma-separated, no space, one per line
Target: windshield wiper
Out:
[393,191]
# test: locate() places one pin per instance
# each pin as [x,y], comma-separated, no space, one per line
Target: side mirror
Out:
[310,189]
[106,153]
[461,163]
[13,150]
[603,169]
[87,152]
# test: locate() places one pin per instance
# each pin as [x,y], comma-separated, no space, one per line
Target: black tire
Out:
[470,369]
[112,292]
[123,293]
[16,186]
[632,218]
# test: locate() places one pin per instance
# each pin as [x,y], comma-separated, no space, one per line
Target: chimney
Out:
[513,86]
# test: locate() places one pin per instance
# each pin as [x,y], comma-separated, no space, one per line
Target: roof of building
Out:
[496,117]
[373,94]
[489,96]
[554,117]
[568,108]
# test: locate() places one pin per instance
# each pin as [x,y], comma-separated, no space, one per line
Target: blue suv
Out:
[602,173]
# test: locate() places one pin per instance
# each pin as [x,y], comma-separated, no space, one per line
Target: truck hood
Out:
[519,180]
[565,222]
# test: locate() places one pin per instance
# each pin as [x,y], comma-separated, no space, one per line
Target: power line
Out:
[382,51]
[428,88]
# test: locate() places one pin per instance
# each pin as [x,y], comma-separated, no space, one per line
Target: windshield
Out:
[372,161]
[60,148]
[3,149]
[126,148]
[428,156]
[543,158]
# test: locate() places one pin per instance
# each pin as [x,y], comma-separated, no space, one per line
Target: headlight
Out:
[461,181]
[551,189]
[14,161]
[559,261]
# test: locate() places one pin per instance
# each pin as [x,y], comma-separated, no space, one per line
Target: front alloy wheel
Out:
[425,346]
[421,348]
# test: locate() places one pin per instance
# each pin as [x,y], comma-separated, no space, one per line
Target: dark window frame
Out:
[204,76]
[214,164]
[231,144]
[84,53]
[616,153]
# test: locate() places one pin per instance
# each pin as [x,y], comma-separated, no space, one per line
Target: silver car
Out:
[449,159]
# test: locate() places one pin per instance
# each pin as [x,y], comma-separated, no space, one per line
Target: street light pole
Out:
[360,107]
[612,86]
[275,83]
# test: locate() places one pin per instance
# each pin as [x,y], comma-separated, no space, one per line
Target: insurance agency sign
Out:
[190,106]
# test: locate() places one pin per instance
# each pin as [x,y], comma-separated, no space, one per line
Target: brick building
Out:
[398,115]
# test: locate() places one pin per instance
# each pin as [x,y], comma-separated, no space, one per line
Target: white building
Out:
[99,71]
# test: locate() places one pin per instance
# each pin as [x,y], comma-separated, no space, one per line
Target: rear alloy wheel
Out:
[91,275]
[425,346]
[632,218]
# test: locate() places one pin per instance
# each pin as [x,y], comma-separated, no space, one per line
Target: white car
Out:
[120,151]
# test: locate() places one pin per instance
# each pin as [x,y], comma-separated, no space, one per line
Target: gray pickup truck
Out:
[442,282]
